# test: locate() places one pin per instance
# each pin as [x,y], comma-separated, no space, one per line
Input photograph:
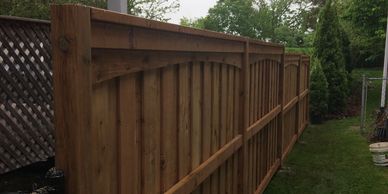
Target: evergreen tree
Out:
[329,51]
[319,93]
[346,50]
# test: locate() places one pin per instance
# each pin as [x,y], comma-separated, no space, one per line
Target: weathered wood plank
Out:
[129,134]
[169,138]
[73,102]
[236,129]
[151,132]
[223,122]
[255,92]
[196,120]
[216,96]
[230,126]
[184,130]
[207,120]
[104,148]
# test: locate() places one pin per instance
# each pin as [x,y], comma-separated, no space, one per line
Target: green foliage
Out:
[273,21]
[366,23]
[153,9]
[346,50]
[328,49]
[319,93]
[236,17]
[40,9]
[194,23]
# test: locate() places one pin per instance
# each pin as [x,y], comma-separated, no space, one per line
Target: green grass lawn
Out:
[334,157]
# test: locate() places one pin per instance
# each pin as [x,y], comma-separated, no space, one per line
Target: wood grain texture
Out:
[184,126]
[196,120]
[169,141]
[207,120]
[151,132]
[71,68]
[216,70]
[129,134]
[104,148]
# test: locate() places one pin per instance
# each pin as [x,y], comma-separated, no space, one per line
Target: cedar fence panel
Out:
[148,107]
[26,99]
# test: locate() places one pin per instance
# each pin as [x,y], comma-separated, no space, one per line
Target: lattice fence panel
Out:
[26,99]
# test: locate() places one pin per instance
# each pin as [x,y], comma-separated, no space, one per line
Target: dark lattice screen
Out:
[26,99]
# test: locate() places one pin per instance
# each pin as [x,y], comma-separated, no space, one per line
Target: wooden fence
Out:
[148,107]
[26,99]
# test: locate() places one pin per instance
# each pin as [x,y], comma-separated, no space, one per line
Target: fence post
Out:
[297,105]
[244,118]
[281,102]
[70,36]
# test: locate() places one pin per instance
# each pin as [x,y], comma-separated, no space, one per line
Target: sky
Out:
[191,9]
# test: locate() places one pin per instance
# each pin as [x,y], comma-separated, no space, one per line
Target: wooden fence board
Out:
[104,146]
[184,129]
[151,132]
[130,134]
[169,127]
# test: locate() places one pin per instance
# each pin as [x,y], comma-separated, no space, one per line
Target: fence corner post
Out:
[71,39]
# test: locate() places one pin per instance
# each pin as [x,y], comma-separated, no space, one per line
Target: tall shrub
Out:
[319,94]
[328,50]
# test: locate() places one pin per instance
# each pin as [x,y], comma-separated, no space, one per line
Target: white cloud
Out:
[191,9]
